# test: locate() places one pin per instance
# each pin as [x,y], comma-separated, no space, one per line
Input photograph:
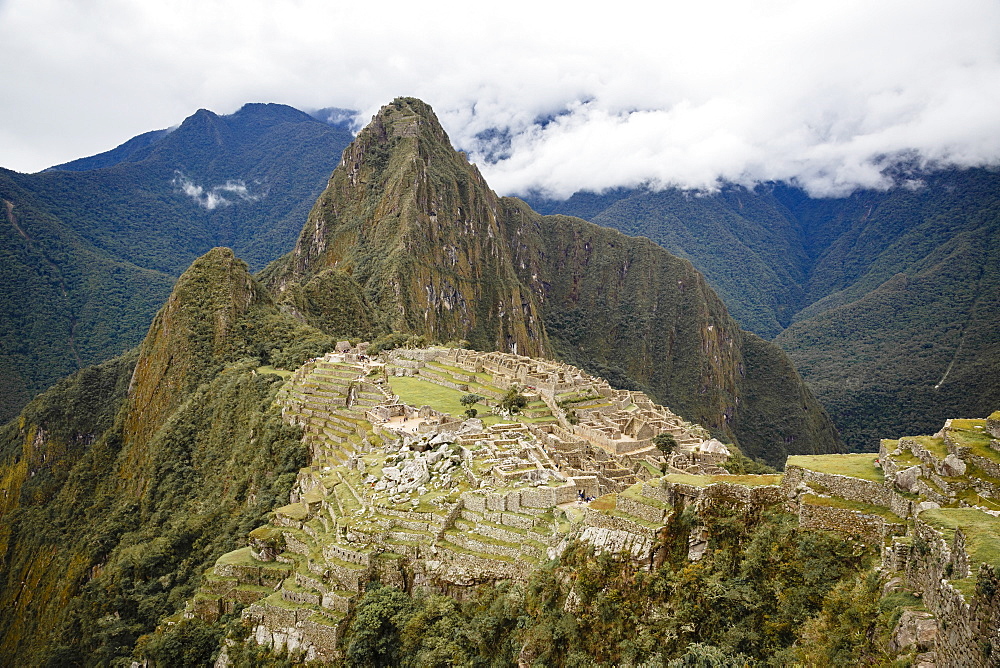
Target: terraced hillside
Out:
[405,488]
[931,504]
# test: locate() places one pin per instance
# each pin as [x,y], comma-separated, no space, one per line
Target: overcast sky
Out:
[688,94]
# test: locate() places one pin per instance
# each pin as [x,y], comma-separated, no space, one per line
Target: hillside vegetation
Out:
[126,480]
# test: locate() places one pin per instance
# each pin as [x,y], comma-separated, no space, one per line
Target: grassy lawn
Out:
[606,502]
[971,497]
[933,445]
[284,373]
[655,471]
[418,392]
[905,459]
[294,510]
[972,433]
[635,494]
[857,465]
[982,532]
[241,557]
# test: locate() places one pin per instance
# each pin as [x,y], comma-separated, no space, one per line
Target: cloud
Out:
[211,198]
[824,94]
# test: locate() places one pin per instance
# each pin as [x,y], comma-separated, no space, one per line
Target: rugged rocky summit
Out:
[417,228]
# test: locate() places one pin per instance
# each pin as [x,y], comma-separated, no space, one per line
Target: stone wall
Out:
[719,493]
[317,641]
[874,529]
[853,489]
[335,551]
[993,424]
[469,569]
[539,497]
[595,518]
[648,512]
[845,487]
[969,630]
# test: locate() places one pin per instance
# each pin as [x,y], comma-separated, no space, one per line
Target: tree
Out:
[468,400]
[665,443]
[513,401]
[374,636]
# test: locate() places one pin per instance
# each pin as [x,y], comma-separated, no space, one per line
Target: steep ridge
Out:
[746,243]
[123,482]
[624,309]
[409,222]
[417,229]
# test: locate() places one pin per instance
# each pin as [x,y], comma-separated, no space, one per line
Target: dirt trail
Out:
[13,219]
[965,325]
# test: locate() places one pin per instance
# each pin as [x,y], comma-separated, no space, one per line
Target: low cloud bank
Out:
[226,194]
[829,95]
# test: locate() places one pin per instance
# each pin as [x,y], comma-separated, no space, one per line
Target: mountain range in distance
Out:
[92,247]
[881,299]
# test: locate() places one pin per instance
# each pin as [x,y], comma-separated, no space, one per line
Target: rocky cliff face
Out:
[627,310]
[431,250]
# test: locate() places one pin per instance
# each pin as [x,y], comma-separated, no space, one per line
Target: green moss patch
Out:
[934,445]
[857,506]
[706,480]
[284,373]
[294,510]
[606,502]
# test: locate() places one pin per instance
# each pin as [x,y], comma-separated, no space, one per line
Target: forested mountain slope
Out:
[825,279]
[93,246]
[124,481]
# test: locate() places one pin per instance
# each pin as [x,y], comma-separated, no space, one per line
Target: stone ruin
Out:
[419,498]
[416,497]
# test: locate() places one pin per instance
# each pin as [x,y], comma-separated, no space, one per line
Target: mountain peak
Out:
[415,225]
[197,329]
[270,113]
[408,117]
